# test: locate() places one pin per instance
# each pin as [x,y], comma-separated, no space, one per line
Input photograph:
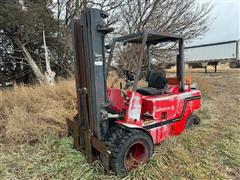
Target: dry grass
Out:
[37,114]
[203,83]
[30,112]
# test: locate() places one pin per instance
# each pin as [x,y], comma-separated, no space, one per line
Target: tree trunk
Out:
[49,74]
[40,77]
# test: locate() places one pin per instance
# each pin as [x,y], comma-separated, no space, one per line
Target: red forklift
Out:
[120,127]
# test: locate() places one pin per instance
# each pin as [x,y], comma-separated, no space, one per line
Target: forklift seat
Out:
[149,91]
[156,84]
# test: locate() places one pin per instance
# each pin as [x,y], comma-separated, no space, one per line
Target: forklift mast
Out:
[91,125]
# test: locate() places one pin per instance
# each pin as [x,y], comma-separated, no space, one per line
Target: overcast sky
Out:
[225,26]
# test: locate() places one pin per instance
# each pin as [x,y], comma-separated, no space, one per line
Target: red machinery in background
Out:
[120,127]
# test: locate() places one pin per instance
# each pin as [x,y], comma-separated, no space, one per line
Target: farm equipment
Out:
[120,127]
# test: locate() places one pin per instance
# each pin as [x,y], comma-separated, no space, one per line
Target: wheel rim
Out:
[136,154]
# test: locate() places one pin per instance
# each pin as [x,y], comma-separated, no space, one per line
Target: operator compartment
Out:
[160,107]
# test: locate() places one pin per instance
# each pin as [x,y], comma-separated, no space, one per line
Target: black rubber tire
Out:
[233,65]
[191,121]
[116,132]
[121,142]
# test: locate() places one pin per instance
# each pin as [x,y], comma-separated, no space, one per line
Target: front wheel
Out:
[131,149]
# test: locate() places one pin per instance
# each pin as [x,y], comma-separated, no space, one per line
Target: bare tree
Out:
[66,10]
[188,18]
[136,14]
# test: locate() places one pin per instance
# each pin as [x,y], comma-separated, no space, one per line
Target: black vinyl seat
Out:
[156,84]
[149,91]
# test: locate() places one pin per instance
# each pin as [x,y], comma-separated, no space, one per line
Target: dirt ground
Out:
[33,143]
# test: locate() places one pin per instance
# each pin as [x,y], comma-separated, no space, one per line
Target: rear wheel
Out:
[233,65]
[129,150]
[192,120]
